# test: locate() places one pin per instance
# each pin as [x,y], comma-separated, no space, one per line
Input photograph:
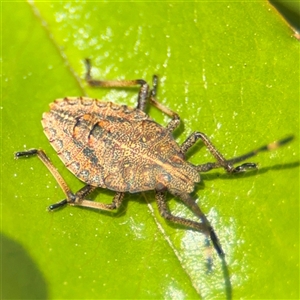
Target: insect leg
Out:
[203,227]
[87,189]
[116,202]
[174,123]
[144,87]
[45,159]
[72,199]
[221,161]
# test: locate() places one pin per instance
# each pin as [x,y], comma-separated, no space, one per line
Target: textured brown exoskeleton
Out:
[122,149]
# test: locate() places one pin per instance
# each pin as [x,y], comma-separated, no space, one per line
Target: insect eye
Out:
[176,159]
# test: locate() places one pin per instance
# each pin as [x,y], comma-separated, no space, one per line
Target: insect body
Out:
[122,149]
[116,147]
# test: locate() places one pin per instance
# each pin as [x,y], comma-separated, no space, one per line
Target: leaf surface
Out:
[229,70]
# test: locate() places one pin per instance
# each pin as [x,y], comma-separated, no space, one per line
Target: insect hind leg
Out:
[47,162]
[76,199]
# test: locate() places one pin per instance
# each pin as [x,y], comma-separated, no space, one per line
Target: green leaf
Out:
[230,70]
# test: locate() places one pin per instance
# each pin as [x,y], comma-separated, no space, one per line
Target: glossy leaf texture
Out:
[230,70]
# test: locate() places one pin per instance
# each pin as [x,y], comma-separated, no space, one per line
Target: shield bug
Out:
[116,147]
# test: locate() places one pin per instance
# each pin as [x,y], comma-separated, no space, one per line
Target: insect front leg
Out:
[221,161]
[203,227]
[228,165]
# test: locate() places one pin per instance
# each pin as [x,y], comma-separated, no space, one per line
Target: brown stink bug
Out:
[122,149]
